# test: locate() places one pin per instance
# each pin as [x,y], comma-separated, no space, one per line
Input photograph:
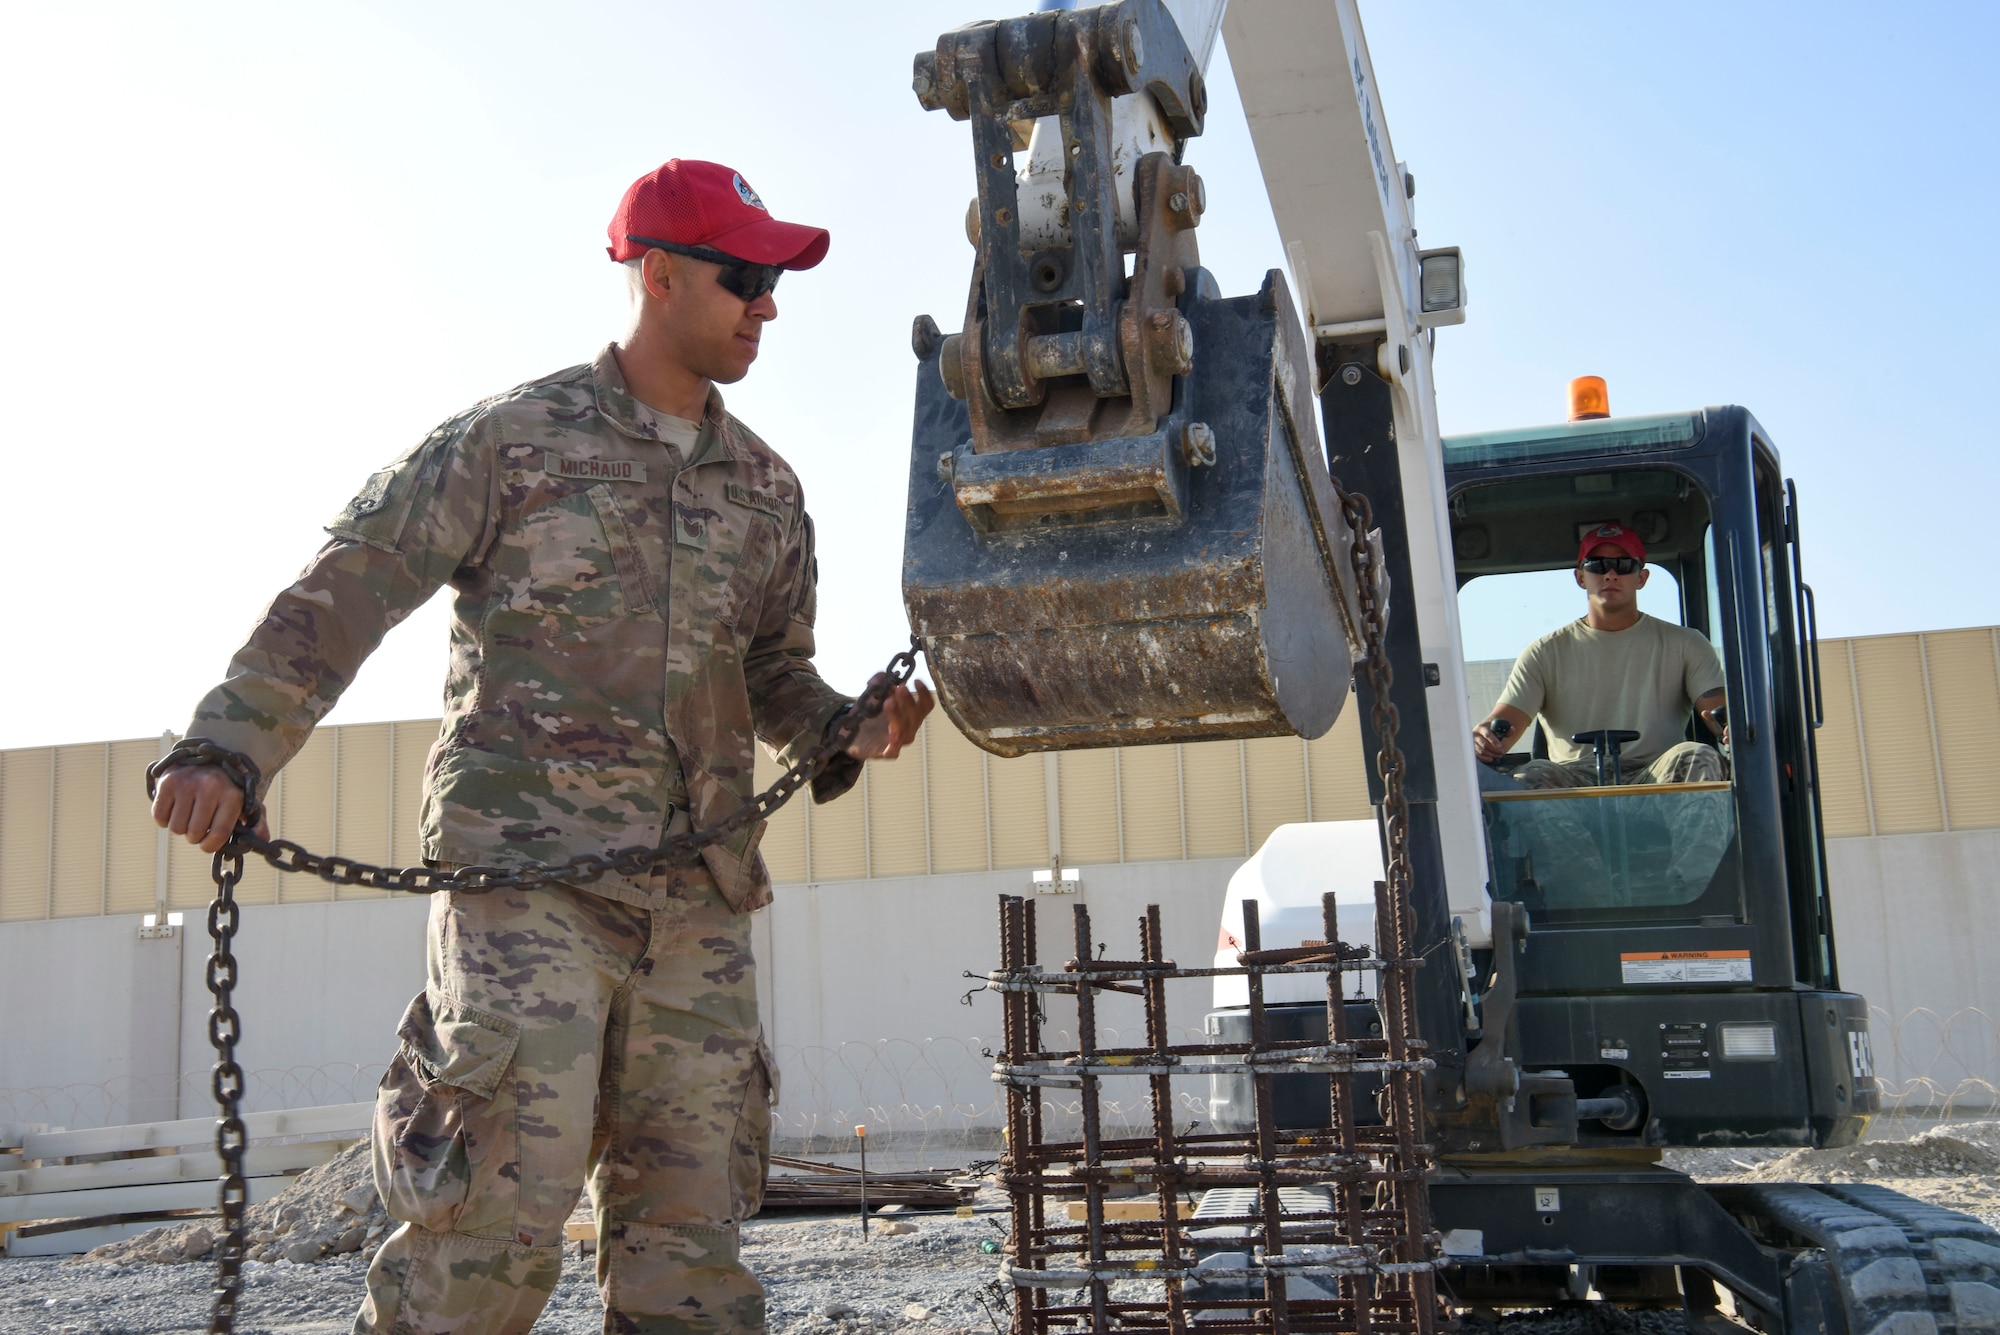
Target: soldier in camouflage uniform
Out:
[634,578]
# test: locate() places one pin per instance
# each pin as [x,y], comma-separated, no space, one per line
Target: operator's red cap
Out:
[1616,534]
[694,203]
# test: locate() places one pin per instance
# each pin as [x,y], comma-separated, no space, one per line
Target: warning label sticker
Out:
[1686,966]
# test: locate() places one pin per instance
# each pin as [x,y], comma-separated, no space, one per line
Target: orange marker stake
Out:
[861,1134]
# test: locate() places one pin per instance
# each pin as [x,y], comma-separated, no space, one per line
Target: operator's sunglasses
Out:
[1615,565]
[740,278]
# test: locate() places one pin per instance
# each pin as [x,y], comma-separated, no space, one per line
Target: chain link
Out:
[226,1083]
[1367,559]
[225,1026]
[583,869]
[1395,913]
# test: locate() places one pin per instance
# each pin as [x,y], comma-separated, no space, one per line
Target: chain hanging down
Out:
[225,1027]
[1396,929]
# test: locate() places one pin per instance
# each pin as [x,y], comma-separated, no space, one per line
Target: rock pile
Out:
[1953,1152]
[330,1210]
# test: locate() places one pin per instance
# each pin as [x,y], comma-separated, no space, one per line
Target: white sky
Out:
[250,252]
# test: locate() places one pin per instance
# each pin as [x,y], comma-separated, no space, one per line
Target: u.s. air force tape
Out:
[595,470]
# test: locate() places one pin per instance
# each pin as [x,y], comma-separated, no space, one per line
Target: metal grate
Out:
[1327,1230]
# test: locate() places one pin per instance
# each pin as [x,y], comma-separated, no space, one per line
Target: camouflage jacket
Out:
[623,625]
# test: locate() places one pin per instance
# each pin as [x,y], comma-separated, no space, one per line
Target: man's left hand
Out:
[1715,725]
[884,736]
[1711,707]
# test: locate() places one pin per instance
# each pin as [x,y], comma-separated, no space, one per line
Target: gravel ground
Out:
[821,1277]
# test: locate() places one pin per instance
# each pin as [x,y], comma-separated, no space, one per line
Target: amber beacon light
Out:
[1588,398]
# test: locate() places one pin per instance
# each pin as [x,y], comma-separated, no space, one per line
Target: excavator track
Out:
[1896,1266]
[1960,1256]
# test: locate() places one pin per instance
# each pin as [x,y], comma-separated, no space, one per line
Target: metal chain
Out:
[226,1083]
[225,1026]
[1406,1107]
[1367,559]
[583,869]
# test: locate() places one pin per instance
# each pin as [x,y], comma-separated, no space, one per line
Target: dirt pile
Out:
[330,1210]
[1939,1152]
[1954,1164]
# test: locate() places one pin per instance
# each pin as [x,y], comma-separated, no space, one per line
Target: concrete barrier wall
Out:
[103,1026]
[861,984]
[887,895]
[1911,746]
[1916,918]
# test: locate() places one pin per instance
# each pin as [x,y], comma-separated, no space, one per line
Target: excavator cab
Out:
[1681,942]
[1615,845]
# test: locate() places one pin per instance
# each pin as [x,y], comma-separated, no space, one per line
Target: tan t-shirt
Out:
[680,433]
[1644,678]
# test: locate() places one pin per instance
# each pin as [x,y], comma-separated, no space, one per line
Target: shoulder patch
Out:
[593,470]
[374,494]
[761,501]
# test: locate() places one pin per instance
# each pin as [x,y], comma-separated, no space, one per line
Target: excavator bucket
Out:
[1121,529]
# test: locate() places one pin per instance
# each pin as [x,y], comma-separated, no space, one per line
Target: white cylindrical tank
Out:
[1286,878]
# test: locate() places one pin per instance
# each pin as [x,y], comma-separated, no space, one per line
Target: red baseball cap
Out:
[692,203]
[1618,536]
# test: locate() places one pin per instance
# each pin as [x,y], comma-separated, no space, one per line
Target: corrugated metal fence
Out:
[1911,745]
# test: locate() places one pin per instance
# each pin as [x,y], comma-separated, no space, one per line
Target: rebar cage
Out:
[1352,1251]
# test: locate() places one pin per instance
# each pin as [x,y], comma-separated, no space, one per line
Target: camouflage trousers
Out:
[559,1035]
[1684,762]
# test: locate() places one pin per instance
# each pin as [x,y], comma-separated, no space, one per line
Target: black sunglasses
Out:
[1616,565]
[740,278]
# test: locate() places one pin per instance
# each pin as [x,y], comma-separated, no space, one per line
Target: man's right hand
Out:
[203,803]
[1489,745]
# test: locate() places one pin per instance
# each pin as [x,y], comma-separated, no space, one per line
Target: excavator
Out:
[1126,527]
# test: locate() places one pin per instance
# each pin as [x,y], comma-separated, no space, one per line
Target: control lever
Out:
[1609,743]
[1503,728]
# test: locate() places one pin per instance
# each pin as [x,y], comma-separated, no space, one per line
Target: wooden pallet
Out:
[79,1189]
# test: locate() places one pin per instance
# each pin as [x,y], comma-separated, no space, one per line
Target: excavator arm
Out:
[1123,528]
[1373,301]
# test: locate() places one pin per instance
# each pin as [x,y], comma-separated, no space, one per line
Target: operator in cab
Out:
[1613,668]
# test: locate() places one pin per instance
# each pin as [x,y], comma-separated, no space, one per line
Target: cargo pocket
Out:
[750,1149]
[446,1157]
[570,558]
[741,878]
[624,550]
[723,579]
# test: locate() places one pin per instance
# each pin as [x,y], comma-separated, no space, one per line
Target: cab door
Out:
[1790,643]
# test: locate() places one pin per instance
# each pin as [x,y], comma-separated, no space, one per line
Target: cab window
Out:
[1597,850]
